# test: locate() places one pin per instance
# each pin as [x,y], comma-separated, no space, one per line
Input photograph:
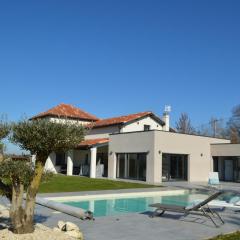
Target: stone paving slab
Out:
[136,226]
[129,190]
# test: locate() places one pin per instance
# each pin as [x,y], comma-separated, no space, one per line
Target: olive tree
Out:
[4,128]
[40,137]
[5,189]
[15,177]
[4,131]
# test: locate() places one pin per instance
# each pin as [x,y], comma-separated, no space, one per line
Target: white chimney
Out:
[166,118]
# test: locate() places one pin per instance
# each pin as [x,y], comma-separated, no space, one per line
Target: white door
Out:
[228,170]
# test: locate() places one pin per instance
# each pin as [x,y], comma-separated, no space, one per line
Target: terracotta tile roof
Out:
[91,142]
[121,119]
[67,110]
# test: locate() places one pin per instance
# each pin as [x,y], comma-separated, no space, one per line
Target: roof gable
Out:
[125,119]
[67,111]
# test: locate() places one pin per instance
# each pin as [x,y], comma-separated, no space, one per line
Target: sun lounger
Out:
[200,208]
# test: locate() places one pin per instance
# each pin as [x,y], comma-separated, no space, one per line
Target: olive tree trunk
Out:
[23,218]
[1,155]
[32,192]
[16,210]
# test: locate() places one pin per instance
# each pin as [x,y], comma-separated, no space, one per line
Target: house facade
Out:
[140,146]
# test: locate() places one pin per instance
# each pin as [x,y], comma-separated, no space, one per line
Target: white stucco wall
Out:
[139,125]
[133,143]
[156,143]
[69,121]
[50,164]
[198,149]
[101,132]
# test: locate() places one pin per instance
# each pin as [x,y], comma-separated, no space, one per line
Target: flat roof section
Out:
[173,132]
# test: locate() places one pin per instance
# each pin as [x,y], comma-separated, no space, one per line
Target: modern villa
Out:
[141,146]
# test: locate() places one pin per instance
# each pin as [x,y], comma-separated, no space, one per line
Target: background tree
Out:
[234,136]
[234,124]
[214,128]
[184,124]
[218,128]
[40,138]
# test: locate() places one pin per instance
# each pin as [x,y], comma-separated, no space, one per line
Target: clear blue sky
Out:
[118,57]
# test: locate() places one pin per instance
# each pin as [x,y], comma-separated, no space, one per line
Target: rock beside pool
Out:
[70,229]
[75,234]
[61,225]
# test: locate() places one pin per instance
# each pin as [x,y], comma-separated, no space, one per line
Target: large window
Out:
[174,167]
[131,166]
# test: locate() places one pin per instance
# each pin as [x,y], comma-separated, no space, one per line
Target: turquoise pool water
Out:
[117,206]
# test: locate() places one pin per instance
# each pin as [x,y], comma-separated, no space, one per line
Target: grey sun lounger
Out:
[200,208]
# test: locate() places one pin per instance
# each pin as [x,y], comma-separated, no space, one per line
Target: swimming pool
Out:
[117,205]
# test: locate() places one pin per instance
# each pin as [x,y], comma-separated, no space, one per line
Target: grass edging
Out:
[228,236]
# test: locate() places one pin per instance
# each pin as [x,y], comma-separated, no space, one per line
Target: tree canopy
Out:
[43,136]
[12,172]
[4,129]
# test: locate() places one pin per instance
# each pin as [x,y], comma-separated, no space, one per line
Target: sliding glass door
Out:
[174,167]
[131,166]
[228,168]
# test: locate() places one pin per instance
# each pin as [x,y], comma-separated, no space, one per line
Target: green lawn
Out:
[231,236]
[62,183]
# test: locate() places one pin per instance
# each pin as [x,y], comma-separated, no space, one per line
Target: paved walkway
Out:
[139,226]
